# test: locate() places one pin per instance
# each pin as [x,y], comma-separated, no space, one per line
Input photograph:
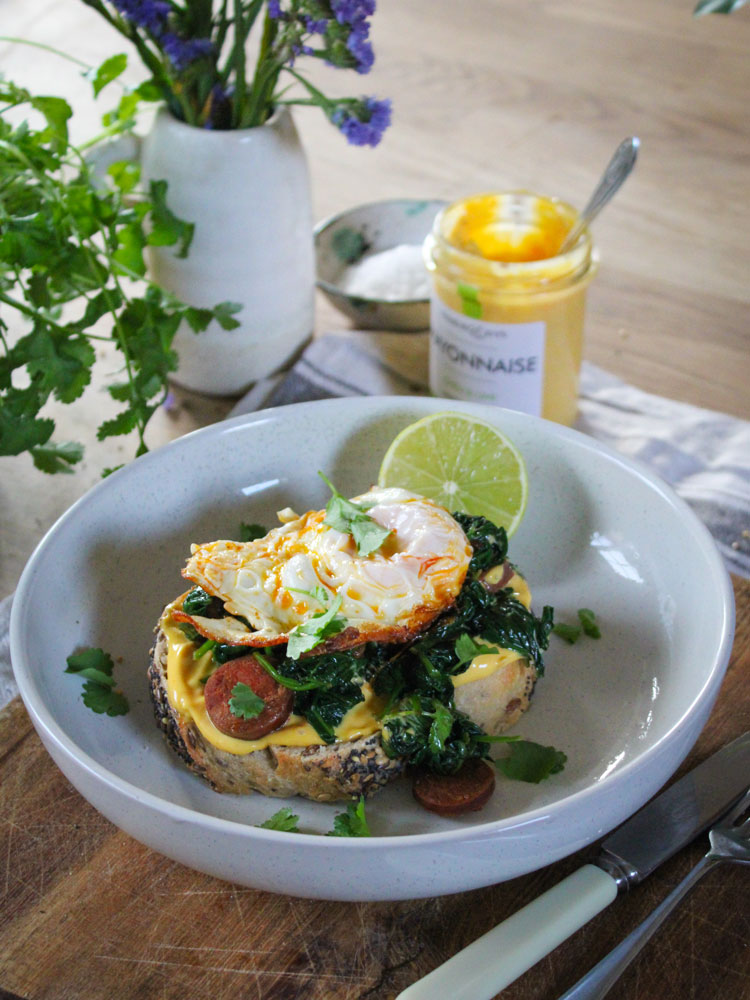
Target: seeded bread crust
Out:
[320,772]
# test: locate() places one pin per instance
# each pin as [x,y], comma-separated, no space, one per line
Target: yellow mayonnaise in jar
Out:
[506,317]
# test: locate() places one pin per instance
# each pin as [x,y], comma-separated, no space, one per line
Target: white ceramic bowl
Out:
[599,532]
[347,237]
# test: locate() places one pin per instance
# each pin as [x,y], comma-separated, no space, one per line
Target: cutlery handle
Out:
[501,955]
[599,980]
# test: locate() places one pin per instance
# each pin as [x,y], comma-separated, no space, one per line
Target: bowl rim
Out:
[43,717]
[320,228]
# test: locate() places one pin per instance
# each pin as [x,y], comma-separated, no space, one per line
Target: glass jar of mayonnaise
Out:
[506,318]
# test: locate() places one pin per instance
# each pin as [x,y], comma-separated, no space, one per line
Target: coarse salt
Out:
[393,275]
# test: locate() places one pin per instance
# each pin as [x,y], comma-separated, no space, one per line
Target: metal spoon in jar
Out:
[617,170]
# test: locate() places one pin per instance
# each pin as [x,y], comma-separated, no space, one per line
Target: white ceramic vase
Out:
[248,193]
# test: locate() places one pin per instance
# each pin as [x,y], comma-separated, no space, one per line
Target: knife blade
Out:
[677,816]
[652,835]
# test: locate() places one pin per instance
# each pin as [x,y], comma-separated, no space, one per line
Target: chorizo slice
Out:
[500,580]
[454,794]
[277,699]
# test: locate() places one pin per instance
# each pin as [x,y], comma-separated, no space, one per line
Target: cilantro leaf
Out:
[249,532]
[166,228]
[312,632]
[282,819]
[588,623]
[531,762]
[245,703]
[104,701]
[352,823]
[318,593]
[109,70]
[467,648]
[353,519]
[570,633]
[98,691]
[91,657]
[72,237]
[224,314]
[54,457]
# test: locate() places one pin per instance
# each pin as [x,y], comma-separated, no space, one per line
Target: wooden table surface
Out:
[86,913]
[487,94]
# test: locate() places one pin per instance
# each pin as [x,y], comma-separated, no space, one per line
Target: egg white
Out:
[295,571]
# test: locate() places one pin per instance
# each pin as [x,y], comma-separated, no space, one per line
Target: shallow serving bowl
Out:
[347,237]
[599,532]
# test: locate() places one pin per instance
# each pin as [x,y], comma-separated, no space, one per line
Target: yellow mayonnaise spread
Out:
[185,674]
[185,693]
[489,225]
[507,308]
[489,663]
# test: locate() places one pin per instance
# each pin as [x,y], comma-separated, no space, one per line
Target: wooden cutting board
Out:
[86,913]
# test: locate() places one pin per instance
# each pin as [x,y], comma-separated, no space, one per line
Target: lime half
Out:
[462,463]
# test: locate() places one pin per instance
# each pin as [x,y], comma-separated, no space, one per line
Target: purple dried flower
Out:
[352,11]
[360,47]
[365,125]
[182,52]
[274,9]
[149,14]
[316,26]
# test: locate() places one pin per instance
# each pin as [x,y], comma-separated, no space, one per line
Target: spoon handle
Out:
[598,981]
[618,168]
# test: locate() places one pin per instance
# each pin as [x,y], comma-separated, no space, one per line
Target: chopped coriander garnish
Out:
[530,761]
[570,633]
[98,691]
[282,819]
[318,593]
[352,823]
[588,623]
[468,648]
[353,519]
[245,703]
[249,532]
[309,634]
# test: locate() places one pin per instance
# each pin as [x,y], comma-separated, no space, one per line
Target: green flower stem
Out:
[264,82]
[47,48]
[318,98]
[123,345]
[223,23]
[238,60]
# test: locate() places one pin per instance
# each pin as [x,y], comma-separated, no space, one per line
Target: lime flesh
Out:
[462,463]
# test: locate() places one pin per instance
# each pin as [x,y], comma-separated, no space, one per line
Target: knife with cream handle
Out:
[661,828]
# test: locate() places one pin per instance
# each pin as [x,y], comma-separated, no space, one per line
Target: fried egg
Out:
[298,569]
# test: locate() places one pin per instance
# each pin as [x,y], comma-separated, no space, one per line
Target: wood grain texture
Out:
[87,913]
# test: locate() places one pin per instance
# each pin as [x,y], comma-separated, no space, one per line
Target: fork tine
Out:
[734,815]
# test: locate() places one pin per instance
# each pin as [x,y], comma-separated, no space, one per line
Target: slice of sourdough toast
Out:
[324,773]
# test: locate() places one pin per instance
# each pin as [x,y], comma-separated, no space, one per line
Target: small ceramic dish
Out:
[599,532]
[346,238]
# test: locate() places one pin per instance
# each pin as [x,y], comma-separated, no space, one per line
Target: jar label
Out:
[500,363]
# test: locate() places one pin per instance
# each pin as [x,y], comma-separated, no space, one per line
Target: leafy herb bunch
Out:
[71,255]
[195,51]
